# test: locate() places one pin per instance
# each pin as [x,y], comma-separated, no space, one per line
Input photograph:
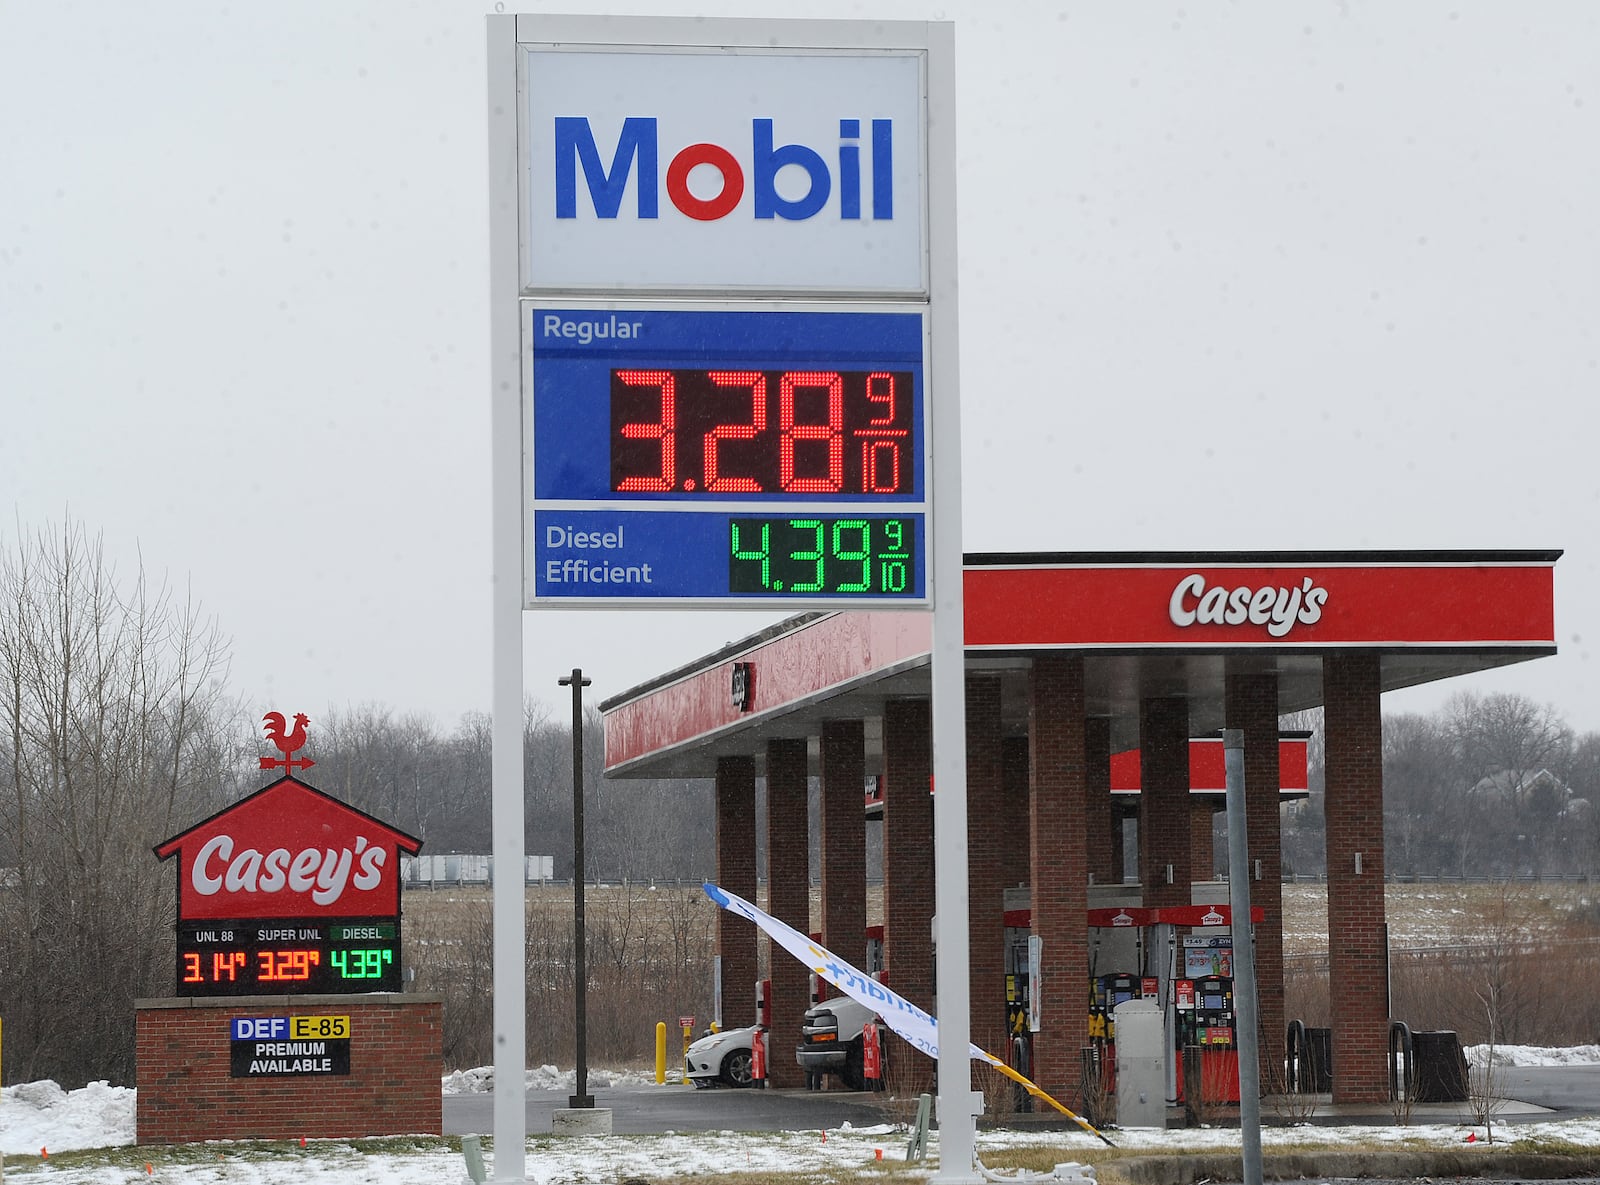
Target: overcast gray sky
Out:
[1256,275]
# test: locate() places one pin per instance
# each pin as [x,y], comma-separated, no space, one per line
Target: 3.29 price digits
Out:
[793,432]
[824,556]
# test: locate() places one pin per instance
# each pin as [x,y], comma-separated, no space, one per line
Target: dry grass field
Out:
[1506,962]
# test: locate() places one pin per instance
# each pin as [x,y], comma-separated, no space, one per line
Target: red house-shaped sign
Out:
[288,851]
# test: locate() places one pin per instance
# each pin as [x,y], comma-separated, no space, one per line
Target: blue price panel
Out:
[737,555]
[695,407]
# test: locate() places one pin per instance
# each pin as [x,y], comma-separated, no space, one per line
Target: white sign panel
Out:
[724,169]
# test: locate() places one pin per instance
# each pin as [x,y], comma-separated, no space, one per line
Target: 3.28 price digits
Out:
[822,556]
[795,432]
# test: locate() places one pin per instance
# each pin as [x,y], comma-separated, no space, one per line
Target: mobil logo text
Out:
[852,180]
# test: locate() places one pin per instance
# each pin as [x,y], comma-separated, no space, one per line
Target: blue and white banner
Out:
[900,1014]
[919,1028]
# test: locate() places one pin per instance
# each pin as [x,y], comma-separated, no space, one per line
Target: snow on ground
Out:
[1531,1055]
[40,1115]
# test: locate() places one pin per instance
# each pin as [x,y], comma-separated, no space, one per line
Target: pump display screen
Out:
[686,455]
[1211,1001]
[288,957]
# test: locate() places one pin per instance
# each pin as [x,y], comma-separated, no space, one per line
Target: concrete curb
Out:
[1289,1166]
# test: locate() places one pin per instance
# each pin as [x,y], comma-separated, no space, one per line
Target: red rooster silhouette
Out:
[287,743]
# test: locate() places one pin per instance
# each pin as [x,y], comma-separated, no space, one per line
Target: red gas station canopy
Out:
[1147,624]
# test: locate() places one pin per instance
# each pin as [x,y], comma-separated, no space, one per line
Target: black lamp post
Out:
[582,1097]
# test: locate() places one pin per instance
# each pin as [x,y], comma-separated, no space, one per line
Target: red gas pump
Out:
[871,1056]
[758,1039]
[1206,1029]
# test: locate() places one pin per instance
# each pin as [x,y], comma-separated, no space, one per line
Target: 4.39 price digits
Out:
[825,556]
[361,963]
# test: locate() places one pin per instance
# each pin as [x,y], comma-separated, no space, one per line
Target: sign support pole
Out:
[506,810]
[1246,1012]
[959,1104]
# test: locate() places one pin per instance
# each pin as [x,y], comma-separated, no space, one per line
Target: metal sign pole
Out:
[506,810]
[959,1104]
[1246,1014]
[580,1096]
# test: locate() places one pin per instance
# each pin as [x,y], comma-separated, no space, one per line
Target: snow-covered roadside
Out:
[39,1115]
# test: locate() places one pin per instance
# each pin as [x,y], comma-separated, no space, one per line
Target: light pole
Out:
[581,1097]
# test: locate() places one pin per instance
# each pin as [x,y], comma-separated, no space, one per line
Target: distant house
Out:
[1520,787]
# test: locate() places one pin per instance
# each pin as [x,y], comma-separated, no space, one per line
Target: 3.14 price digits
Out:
[796,556]
[762,432]
[229,966]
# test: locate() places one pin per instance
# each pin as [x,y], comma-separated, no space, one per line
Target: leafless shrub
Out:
[650,954]
[1291,1108]
[907,1074]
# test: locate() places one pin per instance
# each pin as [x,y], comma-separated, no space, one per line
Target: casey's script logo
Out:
[1279,609]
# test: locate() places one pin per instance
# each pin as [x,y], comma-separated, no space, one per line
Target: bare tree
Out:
[1507,746]
[1423,832]
[116,736]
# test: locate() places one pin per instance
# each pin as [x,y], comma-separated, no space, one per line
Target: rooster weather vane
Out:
[287,742]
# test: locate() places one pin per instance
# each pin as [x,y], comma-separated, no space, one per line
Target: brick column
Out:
[908,891]
[736,872]
[1251,704]
[1357,933]
[1202,841]
[788,900]
[1102,833]
[844,839]
[1060,861]
[1164,800]
[1017,820]
[985,863]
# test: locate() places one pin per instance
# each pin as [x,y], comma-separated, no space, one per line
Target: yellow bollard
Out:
[661,1052]
[687,1023]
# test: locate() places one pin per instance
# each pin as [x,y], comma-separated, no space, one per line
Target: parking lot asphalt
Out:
[1533,1093]
[642,1110]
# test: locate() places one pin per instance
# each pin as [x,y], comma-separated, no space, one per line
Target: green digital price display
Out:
[821,556]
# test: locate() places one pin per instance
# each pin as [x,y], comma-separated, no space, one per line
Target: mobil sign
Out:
[688,168]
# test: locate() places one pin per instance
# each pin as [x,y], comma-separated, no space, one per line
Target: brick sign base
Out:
[187,1091]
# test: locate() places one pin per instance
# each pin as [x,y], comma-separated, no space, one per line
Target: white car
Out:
[725,1057]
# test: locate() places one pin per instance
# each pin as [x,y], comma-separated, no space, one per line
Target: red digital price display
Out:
[288,957]
[790,432]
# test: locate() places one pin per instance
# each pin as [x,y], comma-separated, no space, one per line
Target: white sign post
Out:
[727,248]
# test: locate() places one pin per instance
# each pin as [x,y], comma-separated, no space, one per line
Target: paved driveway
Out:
[640,1110]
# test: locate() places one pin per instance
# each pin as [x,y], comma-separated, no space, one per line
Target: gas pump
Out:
[758,1039]
[1206,1029]
[1106,992]
[874,964]
[1205,1015]
[1019,1035]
